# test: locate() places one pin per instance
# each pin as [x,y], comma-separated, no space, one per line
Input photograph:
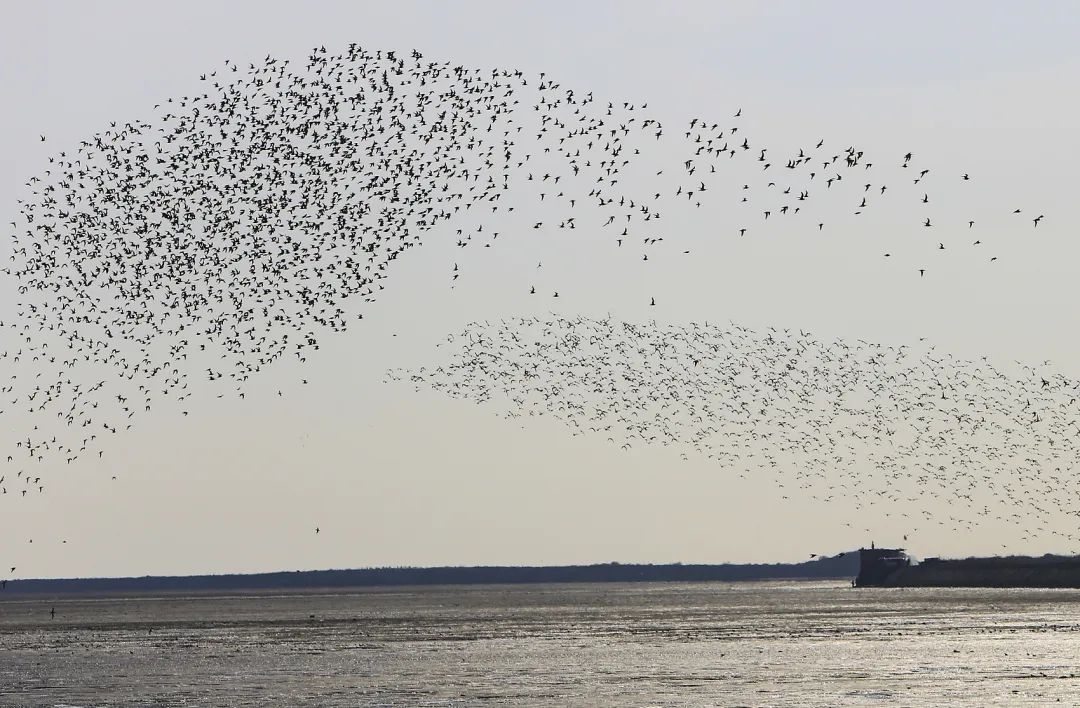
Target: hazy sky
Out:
[394,477]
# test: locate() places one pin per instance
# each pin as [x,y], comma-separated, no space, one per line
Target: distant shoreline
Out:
[844,566]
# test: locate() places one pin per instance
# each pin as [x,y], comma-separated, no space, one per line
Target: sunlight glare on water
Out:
[664,644]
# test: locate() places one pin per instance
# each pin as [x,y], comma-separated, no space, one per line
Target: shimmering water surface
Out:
[664,644]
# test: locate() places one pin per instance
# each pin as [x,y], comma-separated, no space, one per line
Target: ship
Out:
[893,567]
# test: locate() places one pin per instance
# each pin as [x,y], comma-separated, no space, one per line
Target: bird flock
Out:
[908,428]
[244,222]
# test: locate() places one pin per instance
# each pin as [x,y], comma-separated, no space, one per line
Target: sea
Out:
[635,644]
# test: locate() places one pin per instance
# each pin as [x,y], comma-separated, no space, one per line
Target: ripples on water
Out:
[664,644]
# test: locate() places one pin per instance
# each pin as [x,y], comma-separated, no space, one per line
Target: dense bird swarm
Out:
[242,223]
[856,421]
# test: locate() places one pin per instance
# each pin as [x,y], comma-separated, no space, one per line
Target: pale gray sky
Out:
[393,477]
